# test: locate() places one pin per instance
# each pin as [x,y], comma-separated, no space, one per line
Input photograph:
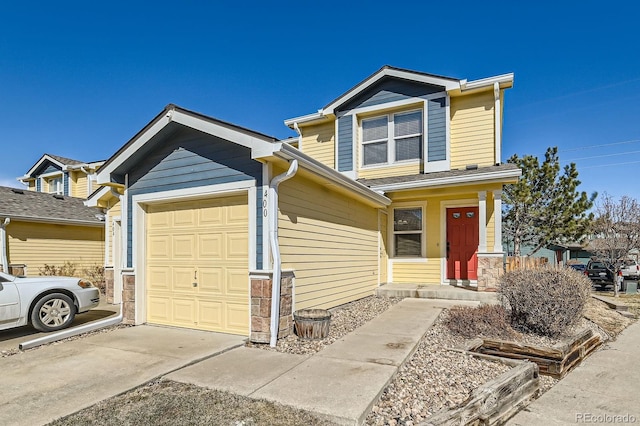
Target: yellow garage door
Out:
[198,264]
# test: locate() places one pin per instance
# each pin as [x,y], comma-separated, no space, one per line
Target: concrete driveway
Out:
[46,383]
[10,339]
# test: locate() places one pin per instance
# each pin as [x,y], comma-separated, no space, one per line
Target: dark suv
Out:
[600,273]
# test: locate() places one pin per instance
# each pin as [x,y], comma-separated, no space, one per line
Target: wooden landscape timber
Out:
[554,361]
[495,401]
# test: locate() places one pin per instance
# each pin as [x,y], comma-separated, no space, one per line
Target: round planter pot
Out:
[312,323]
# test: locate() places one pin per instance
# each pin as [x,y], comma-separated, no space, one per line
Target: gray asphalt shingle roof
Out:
[38,206]
[426,177]
[65,161]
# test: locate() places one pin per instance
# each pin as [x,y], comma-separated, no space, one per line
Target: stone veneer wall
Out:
[490,268]
[108,283]
[261,307]
[129,298]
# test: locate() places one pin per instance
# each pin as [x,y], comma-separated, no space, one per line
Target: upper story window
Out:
[55,185]
[392,138]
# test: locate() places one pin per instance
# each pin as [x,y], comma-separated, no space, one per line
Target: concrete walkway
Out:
[602,390]
[40,385]
[341,382]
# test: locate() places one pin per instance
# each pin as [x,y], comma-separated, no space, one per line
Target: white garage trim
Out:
[139,227]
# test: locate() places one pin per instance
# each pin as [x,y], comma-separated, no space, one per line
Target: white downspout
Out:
[3,245]
[275,248]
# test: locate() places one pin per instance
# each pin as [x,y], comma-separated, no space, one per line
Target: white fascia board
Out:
[455,180]
[287,152]
[44,157]
[85,165]
[388,72]
[316,116]
[92,201]
[56,221]
[104,174]
[217,130]
[505,80]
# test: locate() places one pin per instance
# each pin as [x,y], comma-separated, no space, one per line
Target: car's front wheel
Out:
[53,312]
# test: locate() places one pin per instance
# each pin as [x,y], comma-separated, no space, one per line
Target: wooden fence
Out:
[523,262]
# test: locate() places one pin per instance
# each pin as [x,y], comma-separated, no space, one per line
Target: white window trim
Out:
[50,177]
[391,140]
[391,233]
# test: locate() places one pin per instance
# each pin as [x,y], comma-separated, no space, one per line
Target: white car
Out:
[630,269]
[47,303]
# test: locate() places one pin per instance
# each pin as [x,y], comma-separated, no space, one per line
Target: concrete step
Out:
[446,292]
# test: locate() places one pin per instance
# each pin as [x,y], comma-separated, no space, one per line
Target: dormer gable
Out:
[399,122]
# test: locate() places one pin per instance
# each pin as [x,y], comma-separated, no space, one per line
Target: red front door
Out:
[462,243]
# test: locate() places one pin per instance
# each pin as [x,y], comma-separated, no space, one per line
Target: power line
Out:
[599,146]
[610,165]
[603,155]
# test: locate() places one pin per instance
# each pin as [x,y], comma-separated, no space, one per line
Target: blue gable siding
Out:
[345,144]
[437,126]
[47,167]
[188,160]
[390,90]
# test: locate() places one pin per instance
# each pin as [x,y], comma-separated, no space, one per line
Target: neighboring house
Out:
[40,229]
[58,175]
[397,180]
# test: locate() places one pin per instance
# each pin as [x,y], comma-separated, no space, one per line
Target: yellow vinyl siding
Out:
[389,171]
[79,185]
[113,212]
[37,244]
[472,130]
[330,241]
[318,141]
[32,185]
[384,244]
[419,273]
[197,264]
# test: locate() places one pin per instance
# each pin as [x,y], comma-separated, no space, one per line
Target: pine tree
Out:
[544,206]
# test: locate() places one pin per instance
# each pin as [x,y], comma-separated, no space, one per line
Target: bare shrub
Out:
[68,269]
[544,301]
[480,321]
[95,273]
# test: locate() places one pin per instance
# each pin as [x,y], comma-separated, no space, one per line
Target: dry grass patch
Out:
[166,402]
[604,317]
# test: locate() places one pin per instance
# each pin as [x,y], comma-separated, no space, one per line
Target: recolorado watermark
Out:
[605,418]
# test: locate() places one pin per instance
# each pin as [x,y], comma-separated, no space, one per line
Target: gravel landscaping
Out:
[434,378]
[344,319]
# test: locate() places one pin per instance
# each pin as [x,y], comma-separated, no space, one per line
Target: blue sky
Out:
[78,79]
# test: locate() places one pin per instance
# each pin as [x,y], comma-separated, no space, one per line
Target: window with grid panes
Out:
[392,138]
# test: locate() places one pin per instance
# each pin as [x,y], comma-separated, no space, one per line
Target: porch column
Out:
[497,220]
[482,221]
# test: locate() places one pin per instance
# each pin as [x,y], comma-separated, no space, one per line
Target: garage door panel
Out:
[211,215]
[159,309]
[204,242]
[211,315]
[237,214]
[237,282]
[184,311]
[185,216]
[237,315]
[159,278]
[182,279]
[184,246]
[210,246]
[159,247]
[211,281]
[237,245]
